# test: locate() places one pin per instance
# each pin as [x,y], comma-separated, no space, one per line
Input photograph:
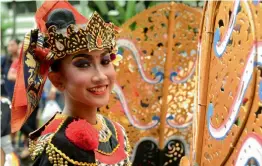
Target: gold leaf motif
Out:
[30,62]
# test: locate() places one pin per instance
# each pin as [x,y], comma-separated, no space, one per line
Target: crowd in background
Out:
[15,145]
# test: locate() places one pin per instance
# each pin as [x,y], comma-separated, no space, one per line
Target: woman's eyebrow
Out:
[90,56]
[82,55]
[104,53]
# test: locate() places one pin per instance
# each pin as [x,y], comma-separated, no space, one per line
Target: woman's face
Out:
[88,77]
[12,47]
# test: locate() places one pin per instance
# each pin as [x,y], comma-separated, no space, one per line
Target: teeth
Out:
[100,89]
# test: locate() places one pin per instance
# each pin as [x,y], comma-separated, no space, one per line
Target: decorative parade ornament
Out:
[84,137]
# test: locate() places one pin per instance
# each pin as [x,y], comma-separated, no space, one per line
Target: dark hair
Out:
[56,65]
[61,18]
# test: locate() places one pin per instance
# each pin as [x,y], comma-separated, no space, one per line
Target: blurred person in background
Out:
[6,62]
[8,155]
[12,73]
[7,86]
[31,124]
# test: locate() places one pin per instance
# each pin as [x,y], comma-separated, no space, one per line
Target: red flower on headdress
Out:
[99,41]
[82,134]
[112,56]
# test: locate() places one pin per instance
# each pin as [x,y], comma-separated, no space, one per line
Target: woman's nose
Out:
[99,77]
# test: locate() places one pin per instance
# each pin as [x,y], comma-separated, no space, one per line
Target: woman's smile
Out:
[98,90]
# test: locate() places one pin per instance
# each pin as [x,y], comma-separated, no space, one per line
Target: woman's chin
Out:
[98,102]
[101,104]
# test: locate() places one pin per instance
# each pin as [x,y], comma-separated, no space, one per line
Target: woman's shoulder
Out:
[60,140]
[50,127]
[39,139]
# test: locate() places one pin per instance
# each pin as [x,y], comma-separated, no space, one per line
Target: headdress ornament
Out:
[96,35]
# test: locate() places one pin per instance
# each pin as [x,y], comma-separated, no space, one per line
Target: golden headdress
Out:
[96,35]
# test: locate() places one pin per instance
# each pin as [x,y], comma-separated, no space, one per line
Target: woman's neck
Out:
[14,57]
[82,111]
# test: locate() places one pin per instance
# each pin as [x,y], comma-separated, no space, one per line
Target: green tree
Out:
[6,23]
[119,12]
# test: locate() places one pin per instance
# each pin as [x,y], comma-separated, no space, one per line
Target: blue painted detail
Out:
[216,40]
[180,127]
[260,90]
[170,117]
[217,34]
[156,118]
[255,2]
[247,163]
[173,74]
[257,64]
[161,75]
[210,113]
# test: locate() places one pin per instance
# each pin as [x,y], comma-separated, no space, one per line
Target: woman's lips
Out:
[99,90]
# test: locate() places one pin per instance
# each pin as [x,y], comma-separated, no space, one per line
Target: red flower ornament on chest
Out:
[83,135]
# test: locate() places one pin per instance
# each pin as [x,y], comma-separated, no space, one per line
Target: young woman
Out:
[78,59]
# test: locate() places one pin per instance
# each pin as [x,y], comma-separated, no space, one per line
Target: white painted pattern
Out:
[251,148]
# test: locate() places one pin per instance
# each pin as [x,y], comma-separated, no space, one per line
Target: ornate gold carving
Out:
[97,35]
[147,33]
[228,81]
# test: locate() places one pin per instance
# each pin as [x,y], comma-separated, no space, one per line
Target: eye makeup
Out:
[86,60]
[105,60]
[82,63]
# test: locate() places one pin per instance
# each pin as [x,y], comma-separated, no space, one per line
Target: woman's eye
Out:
[105,60]
[82,64]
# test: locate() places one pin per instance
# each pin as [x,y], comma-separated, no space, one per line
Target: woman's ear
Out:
[57,80]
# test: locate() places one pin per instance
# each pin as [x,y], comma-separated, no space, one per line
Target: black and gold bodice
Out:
[69,141]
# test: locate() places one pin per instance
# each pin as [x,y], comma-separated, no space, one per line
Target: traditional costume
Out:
[65,140]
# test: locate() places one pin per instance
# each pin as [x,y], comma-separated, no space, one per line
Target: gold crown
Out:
[96,36]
